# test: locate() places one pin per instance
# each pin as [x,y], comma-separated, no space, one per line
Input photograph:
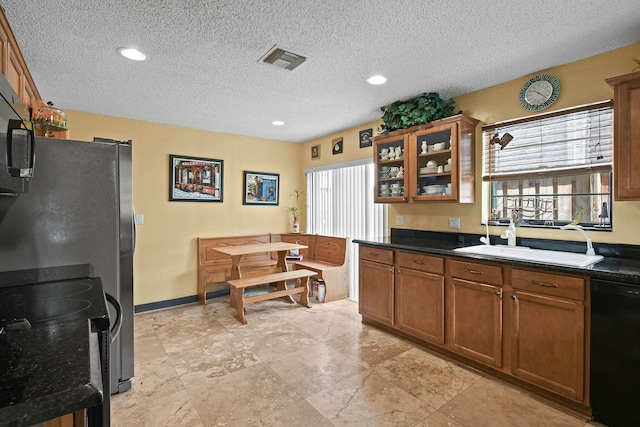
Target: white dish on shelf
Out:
[428,170]
[447,168]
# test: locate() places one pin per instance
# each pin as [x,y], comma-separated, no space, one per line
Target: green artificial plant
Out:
[422,109]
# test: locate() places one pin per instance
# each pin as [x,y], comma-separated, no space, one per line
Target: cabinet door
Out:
[626,135]
[548,342]
[376,291]
[420,304]
[475,316]
[436,167]
[391,163]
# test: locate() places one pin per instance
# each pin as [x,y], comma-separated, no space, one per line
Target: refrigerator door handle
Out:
[115,329]
[20,171]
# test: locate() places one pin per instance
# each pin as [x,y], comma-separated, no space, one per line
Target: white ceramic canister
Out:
[322,290]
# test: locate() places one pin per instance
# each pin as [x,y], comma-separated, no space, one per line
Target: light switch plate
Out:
[399,219]
[139,219]
[454,223]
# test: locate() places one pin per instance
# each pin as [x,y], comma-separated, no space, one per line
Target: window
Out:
[551,169]
[340,203]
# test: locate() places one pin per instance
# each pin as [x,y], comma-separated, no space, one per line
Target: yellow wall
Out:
[166,256]
[165,259]
[582,82]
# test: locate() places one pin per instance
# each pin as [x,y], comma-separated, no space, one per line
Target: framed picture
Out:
[195,179]
[315,152]
[261,188]
[337,145]
[365,138]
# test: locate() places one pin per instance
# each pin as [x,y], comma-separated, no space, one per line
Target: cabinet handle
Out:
[374,254]
[419,262]
[498,293]
[546,285]
[399,271]
[513,297]
[473,271]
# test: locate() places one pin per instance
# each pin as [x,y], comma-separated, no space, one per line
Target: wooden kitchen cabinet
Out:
[376,284]
[475,311]
[419,296]
[424,149]
[626,133]
[548,331]
[13,65]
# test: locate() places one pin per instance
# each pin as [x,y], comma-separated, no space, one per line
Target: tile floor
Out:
[292,366]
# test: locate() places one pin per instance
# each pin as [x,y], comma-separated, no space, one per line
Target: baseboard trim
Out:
[177,301]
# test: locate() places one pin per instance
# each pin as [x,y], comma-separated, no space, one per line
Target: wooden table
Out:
[236,253]
[237,298]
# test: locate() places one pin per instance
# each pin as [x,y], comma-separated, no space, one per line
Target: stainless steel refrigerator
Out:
[78,210]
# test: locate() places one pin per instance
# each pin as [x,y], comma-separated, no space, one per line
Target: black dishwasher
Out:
[615,353]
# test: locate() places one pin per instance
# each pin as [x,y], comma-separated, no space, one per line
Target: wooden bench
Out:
[238,286]
[216,267]
[328,257]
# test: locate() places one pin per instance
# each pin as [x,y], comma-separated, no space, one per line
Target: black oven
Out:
[48,301]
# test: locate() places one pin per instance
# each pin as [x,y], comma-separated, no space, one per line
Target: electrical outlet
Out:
[454,223]
[399,219]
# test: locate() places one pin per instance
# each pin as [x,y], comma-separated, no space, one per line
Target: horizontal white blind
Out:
[560,143]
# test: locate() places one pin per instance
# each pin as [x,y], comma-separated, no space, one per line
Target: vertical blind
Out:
[564,142]
[340,203]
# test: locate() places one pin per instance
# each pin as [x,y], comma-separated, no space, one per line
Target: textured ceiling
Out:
[204,73]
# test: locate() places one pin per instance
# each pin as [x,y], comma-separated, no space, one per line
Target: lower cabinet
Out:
[376,284]
[419,299]
[528,324]
[548,324]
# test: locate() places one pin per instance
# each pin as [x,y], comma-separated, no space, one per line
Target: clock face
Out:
[539,92]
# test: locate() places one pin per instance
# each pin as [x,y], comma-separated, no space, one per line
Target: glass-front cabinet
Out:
[431,162]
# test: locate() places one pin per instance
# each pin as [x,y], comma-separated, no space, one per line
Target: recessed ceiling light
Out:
[277,123]
[377,80]
[132,53]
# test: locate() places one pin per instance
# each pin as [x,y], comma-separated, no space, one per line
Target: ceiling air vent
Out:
[283,59]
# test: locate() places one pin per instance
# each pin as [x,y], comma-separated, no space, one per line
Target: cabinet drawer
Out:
[549,284]
[476,272]
[376,254]
[421,262]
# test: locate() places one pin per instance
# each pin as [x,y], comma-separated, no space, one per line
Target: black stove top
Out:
[54,302]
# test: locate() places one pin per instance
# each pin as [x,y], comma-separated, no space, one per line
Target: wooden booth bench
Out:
[326,256]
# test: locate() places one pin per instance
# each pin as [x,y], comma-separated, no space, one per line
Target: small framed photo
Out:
[195,179]
[261,188]
[315,152]
[365,138]
[337,145]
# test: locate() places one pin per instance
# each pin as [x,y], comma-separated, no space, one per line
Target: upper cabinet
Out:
[427,163]
[13,66]
[626,133]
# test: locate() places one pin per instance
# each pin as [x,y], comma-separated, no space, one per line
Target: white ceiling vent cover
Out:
[283,59]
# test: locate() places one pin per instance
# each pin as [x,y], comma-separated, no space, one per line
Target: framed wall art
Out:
[337,144]
[315,152]
[195,179]
[365,138]
[261,188]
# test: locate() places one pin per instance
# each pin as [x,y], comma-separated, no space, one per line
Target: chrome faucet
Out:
[590,250]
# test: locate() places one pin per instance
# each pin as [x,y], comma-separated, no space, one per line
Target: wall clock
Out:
[539,92]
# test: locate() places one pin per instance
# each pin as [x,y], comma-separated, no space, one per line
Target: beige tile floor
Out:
[292,366]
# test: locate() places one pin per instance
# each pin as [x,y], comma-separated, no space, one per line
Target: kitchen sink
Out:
[533,255]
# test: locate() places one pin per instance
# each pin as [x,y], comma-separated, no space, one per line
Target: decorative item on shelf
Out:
[315,152]
[422,109]
[49,119]
[365,138]
[295,210]
[337,145]
[637,61]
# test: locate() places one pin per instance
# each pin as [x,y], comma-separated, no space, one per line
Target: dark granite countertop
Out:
[47,371]
[621,262]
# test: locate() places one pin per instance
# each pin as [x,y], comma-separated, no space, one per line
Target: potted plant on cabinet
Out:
[422,109]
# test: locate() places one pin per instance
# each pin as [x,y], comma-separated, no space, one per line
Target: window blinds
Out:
[565,142]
